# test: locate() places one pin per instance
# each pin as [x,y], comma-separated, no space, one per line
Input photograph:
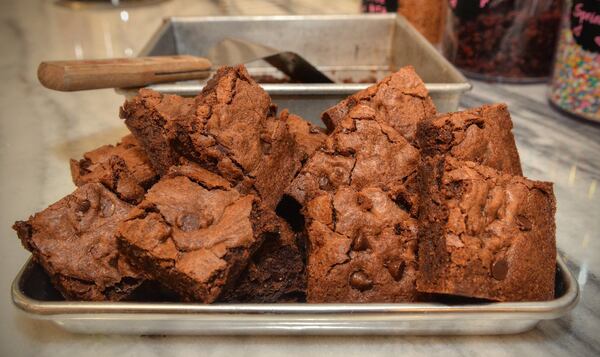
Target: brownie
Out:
[482,135]
[231,130]
[360,187]
[194,234]
[483,233]
[361,248]
[74,241]
[276,273]
[401,100]
[149,115]
[123,168]
[361,152]
[307,137]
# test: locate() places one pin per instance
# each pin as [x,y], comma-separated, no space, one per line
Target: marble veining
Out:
[40,130]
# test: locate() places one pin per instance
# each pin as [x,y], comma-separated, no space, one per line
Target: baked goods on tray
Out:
[230,128]
[218,198]
[194,234]
[362,248]
[356,192]
[485,234]
[74,241]
[275,273]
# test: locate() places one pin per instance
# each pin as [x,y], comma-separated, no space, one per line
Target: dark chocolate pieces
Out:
[396,268]
[500,269]
[360,242]
[360,280]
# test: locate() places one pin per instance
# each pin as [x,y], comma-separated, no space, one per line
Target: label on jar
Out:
[379,5]
[468,9]
[585,24]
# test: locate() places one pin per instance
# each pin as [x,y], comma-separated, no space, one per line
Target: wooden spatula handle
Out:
[120,72]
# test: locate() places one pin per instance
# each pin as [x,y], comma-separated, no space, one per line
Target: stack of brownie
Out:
[218,198]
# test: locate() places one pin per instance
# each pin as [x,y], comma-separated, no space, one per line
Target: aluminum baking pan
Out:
[355,48]
[32,293]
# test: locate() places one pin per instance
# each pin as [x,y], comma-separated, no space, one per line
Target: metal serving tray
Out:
[32,293]
[345,47]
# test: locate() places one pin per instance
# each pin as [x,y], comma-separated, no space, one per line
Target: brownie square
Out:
[361,152]
[482,135]
[485,234]
[123,168]
[275,274]
[194,234]
[360,187]
[149,116]
[401,99]
[361,248]
[74,241]
[231,130]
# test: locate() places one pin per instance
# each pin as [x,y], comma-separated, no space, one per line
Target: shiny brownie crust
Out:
[74,241]
[485,234]
[194,234]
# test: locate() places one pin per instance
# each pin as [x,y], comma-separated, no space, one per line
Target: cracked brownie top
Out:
[123,168]
[361,152]
[193,233]
[358,194]
[230,128]
[149,115]
[482,135]
[401,100]
[308,138]
[484,233]
[362,248]
[74,240]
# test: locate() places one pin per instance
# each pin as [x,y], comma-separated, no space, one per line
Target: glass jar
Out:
[575,84]
[379,6]
[427,16]
[503,40]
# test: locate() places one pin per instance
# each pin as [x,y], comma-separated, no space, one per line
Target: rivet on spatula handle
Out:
[121,72]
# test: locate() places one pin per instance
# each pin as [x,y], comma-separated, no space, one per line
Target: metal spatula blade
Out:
[231,51]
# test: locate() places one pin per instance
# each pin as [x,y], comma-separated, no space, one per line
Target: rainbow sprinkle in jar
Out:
[576,79]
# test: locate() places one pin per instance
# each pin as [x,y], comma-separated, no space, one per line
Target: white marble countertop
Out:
[40,130]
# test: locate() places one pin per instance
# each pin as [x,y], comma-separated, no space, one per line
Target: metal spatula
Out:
[141,71]
[293,65]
